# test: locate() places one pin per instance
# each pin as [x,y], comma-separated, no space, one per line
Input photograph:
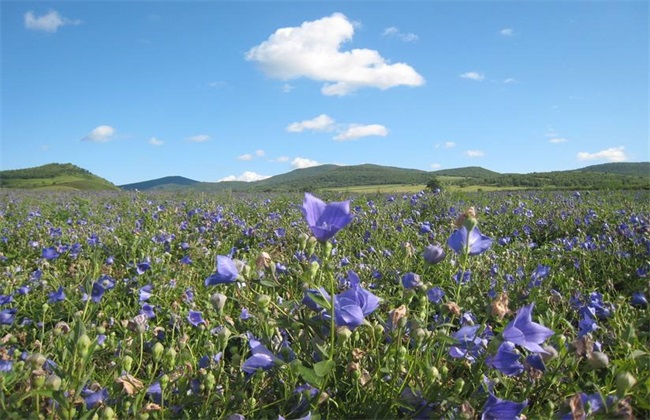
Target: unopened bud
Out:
[127,363]
[624,381]
[597,360]
[53,382]
[157,351]
[343,334]
[313,269]
[218,301]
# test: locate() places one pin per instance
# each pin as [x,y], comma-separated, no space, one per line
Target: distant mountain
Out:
[468,172]
[54,176]
[621,168]
[166,183]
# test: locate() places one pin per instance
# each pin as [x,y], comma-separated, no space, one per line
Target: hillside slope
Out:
[54,176]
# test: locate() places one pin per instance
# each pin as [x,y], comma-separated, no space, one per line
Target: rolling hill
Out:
[54,176]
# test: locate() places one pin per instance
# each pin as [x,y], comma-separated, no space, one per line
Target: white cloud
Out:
[321,123]
[507,32]
[247,176]
[100,134]
[395,32]
[49,22]
[198,138]
[286,88]
[613,154]
[280,159]
[474,153]
[156,142]
[260,152]
[446,145]
[246,156]
[472,75]
[313,50]
[557,140]
[300,162]
[509,80]
[355,131]
[436,166]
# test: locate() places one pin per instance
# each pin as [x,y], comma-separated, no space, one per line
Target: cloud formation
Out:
[321,123]
[613,154]
[49,22]
[156,142]
[313,50]
[472,75]
[557,140]
[446,145]
[246,156]
[474,153]
[247,176]
[396,33]
[355,131]
[199,138]
[300,162]
[100,134]
[507,32]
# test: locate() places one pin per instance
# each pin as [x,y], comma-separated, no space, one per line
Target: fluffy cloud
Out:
[436,166]
[613,154]
[300,162]
[156,142]
[446,145]
[100,134]
[49,22]
[247,176]
[313,50]
[395,32]
[507,32]
[246,156]
[280,159]
[355,131]
[557,140]
[472,75]
[321,123]
[260,152]
[198,138]
[474,153]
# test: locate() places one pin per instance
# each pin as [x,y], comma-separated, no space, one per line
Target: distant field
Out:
[402,188]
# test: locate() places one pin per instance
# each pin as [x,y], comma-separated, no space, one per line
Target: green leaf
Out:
[310,376]
[268,283]
[324,367]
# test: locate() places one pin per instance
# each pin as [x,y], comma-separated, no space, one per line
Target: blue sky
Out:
[134,91]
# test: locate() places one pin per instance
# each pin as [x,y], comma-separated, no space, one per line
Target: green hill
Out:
[54,176]
[622,168]
[166,183]
[467,172]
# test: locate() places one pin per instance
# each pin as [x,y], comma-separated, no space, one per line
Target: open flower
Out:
[325,220]
[226,271]
[506,360]
[433,254]
[498,409]
[526,333]
[472,242]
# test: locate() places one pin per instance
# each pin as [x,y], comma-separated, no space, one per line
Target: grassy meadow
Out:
[195,305]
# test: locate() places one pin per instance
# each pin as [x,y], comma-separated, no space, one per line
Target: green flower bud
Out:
[38,378]
[313,269]
[624,381]
[164,381]
[169,358]
[53,382]
[37,360]
[263,301]
[107,413]
[127,363]
[218,301]
[157,351]
[222,337]
[343,334]
[210,381]
[432,373]
[302,240]
[311,244]
[459,385]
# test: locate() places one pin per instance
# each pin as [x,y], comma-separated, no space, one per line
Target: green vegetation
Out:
[54,176]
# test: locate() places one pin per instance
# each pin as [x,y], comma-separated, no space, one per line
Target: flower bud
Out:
[37,360]
[302,240]
[218,301]
[597,360]
[38,378]
[313,269]
[263,301]
[343,334]
[127,363]
[169,358]
[311,245]
[53,382]
[433,254]
[107,413]
[550,354]
[624,381]
[222,337]
[164,381]
[157,351]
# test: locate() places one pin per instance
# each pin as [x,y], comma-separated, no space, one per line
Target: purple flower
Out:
[226,271]
[638,299]
[524,332]
[145,292]
[147,310]
[50,253]
[57,296]
[540,273]
[142,267]
[433,254]
[6,365]
[5,299]
[469,345]
[506,360]
[155,392]
[262,358]
[7,316]
[472,243]
[435,294]
[411,280]
[196,318]
[498,409]
[325,220]
[93,398]
[186,260]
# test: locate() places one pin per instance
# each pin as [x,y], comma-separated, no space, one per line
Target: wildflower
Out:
[411,281]
[145,292]
[7,316]
[50,253]
[469,345]
[57,296]
[325,220]
[506,360]
[435,294]
[94,398]
[142,267]
[524,332]
[226,271]
[433,254]
[471,242]
[638,299]
[196,318]
[498,409]
[262,358]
